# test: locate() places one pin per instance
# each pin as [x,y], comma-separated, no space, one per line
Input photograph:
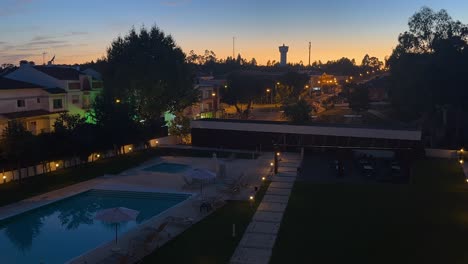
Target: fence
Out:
[46,167]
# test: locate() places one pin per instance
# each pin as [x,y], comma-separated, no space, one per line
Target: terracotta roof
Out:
[30,113]
[61,73]
[10,84]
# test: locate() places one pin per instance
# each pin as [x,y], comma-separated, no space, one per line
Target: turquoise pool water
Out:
[168,167]
[62,230]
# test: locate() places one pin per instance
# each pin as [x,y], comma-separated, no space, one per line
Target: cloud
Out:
[14,58]
[46,42]
[174,3]
[68,34]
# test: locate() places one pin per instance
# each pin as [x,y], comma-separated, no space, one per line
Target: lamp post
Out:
[268,91]
[461,156]
[213,96]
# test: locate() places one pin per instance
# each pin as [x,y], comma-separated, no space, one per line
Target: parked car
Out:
[368,171]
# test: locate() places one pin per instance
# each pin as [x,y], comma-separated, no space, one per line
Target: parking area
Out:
[354,166]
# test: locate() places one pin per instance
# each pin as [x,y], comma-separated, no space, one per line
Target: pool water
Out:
[168,167]
[65,229]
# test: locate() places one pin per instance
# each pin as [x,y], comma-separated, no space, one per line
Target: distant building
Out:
[210,100]
[284,55]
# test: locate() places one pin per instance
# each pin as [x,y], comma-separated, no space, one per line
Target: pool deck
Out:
[137,179]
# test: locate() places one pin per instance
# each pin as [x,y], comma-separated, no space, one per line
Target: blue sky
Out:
[79,31]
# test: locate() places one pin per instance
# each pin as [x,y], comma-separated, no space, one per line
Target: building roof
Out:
[31,113]
[10,84]
[61,73]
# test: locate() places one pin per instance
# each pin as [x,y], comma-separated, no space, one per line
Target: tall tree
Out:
[148,71]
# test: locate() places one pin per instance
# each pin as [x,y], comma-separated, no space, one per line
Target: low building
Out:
[36,107]
[36,95]
[81,88]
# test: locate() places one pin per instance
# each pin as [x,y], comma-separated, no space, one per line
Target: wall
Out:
[441,153]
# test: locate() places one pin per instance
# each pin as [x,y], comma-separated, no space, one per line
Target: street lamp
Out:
[269,95]
[117,101]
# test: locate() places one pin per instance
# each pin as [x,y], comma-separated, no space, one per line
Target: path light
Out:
[213,94]
[130,148]
[271,164]
[277,154]
[157,141]
[4,178]
[57,165]
[263,178]
[117,101]
[251,198]
[466,180]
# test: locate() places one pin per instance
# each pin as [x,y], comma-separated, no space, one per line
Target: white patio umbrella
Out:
[116,215]
[202,176]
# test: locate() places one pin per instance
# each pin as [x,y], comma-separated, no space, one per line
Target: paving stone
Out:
[282,185]
[251,256]
[273,217]
[258,240]
[263,227]
[282,179]
[277,191]
[272,207]
[275,198]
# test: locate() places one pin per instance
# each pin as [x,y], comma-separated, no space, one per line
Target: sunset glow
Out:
[77,32]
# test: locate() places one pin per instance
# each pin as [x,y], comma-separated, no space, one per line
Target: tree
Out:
[429,71]
[242,89]
[148,71]
[298,112]
[292,84]
[180,127]
[16,145]
[358,97]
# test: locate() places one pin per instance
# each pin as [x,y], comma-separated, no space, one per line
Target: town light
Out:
[117,101]
[98,155]
[466,180]
[4,177]
[461,161]
[263,178]
[157,141]
[268,90]
[130,148]
[251,198]
[277,154]
[213,94]
[271,164]
[57,165]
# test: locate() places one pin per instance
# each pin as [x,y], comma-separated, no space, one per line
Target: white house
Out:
[35,106]
[31,91]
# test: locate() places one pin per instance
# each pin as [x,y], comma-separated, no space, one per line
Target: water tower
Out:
[284,55]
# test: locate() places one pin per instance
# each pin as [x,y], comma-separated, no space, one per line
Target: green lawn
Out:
[346,223]
[13,191]
[209,241]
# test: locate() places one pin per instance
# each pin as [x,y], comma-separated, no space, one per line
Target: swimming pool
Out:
[168,167]
[62,230]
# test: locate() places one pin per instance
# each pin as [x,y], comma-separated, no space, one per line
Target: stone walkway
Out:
[259,239]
